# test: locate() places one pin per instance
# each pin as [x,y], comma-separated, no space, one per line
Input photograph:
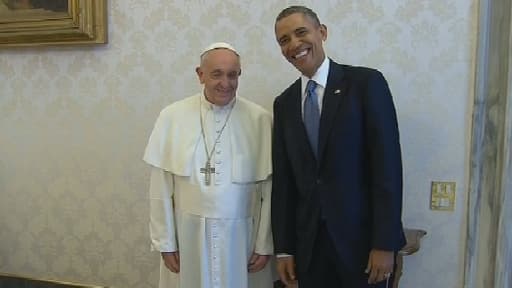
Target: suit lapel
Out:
[335,90]
[297,122]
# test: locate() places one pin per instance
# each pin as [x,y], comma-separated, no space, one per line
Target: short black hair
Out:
[298,9]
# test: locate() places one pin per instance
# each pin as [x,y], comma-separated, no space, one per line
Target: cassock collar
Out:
[205,104]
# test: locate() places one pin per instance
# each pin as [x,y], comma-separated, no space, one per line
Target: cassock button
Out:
[319,181]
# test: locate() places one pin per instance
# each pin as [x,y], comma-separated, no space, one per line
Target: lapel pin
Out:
[337,91]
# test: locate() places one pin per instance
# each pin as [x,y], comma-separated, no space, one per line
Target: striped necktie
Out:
[312,116]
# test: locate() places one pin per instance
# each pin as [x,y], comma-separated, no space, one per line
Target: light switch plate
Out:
[442,196]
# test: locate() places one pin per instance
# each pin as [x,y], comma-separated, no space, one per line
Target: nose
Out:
[294,42]
[225,82]
[225,79]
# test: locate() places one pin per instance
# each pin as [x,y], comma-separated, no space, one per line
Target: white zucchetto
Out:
[219,45]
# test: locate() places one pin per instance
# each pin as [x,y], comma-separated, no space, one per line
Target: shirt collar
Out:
[320,76]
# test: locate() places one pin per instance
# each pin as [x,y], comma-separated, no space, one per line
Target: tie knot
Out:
[311,86]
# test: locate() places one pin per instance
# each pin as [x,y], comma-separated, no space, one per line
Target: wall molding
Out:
[489,232]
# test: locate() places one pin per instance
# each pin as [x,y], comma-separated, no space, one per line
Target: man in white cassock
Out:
[210,183]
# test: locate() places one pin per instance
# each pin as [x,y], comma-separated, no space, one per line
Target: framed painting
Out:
[52,22]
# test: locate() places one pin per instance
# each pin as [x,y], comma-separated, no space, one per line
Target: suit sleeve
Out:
[385,165]
[283,190]
[162,227]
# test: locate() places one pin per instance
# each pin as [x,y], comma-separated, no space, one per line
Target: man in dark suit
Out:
[337,182]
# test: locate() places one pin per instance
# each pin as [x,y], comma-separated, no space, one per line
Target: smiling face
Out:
[301,41]
[219,72]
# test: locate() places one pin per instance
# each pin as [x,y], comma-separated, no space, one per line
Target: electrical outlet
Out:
[442,196]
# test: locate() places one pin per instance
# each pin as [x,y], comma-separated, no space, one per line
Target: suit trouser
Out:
[326,268]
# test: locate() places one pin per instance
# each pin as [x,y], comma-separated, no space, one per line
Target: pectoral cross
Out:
[207,171]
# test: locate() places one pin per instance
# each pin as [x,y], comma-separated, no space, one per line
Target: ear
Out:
[323,31]
[200,74]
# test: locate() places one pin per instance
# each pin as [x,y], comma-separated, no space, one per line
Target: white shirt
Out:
[320,77]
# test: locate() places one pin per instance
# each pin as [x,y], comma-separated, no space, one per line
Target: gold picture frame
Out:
[75,22]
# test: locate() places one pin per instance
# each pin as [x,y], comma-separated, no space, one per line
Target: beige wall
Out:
[74,122]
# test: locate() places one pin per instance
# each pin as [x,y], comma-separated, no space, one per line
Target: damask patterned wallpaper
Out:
[74,122]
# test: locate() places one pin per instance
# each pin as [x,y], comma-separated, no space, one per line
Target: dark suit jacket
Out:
[355,186]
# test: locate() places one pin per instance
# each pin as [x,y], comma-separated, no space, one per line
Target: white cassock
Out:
[215,227]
